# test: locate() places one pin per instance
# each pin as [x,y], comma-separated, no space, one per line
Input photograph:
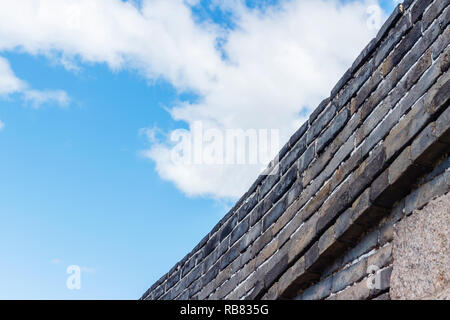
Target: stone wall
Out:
[371,153]
[409,250]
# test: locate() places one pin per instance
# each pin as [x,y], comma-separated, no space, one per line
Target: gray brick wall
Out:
[308,230]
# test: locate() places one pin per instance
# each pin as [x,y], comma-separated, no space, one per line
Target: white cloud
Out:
[37,98]
[10,83]
[280,61]
[2,125]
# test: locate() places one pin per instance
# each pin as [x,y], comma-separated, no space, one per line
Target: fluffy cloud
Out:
[269,71]
[280,64]
[10,83]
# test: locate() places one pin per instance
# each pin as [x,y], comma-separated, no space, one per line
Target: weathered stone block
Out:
[301,238]
[433,12]
[418,9]
[194,274]
[317,291]
[332,130]
[358,291]
[395,35]
[382,257]
[276,271]
[365,244]
[274,214]
[385,234]
[227,227]
[321,122]
[188,267]
[267,185]
[239,231]
[293,155]
[344,228]
[405,130]
[443,126]
[247,206]
[285,183]
[350,275]
[400,165]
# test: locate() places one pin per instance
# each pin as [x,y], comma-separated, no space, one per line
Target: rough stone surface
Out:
[422,252]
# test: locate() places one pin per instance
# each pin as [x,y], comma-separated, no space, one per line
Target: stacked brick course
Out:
[374,151]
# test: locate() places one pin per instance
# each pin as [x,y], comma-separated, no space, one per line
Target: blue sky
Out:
[76,185]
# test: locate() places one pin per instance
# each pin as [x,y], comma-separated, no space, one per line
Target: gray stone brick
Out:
[368,171]
[294,192]
[344,228]
[382,257]
[321,122]
[332,130]
[365,54]
[367,88]
[188,267]
[332,207]
[444,19]
[301,238]
[275,271]
[239,231]
[298,134]
[211,274]
[284,184]
[433,12]
[418,9]
[383,296]
[267,185]
[437,96]
[441,43]
[317,291]
[229,256]
[344,79]
[349,275]
[306,158]
[318,110]
[274,214]
[394,37]
[421,196]
[227,227]
[173,280]
[385,235]
[390,22]
[326,240]
[293,155]
[443,126]
[400,165]
[158,292]
[311,255]
[361,76]
[253,233]
[247,206]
